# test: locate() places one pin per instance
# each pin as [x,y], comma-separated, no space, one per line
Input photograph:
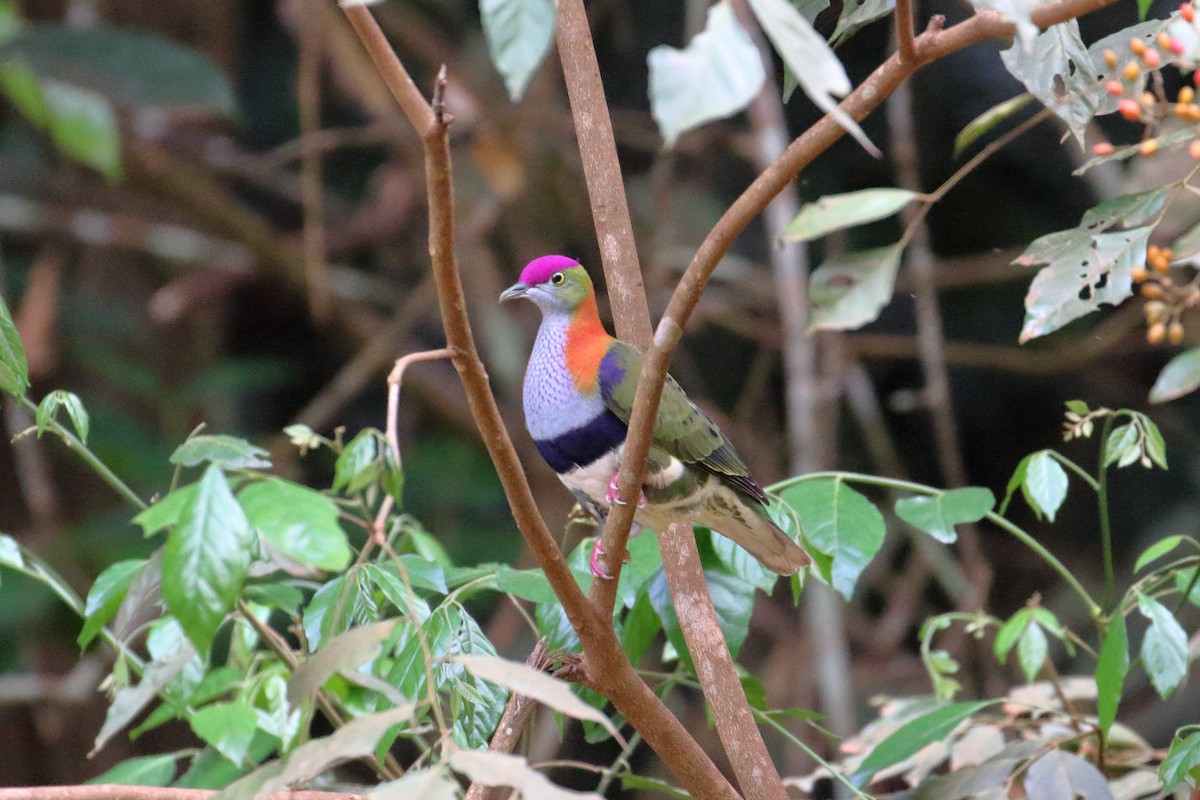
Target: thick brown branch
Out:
[602,171]
[904,30]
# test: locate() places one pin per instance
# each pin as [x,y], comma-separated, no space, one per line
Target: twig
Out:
[411,101]
[904,30]
[512,723]
[112,791]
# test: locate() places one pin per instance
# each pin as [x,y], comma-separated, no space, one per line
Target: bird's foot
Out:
[596,562]
[613,495]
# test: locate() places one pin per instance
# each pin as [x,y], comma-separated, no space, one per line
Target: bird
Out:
[578,396]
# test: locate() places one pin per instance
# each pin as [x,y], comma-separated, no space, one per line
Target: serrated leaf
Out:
[1158,550]
[810,59]
[1164,647]
[839,522]
[1112,665]
[1180,376]
[344,652]
[105,597]
[1032,648]
[837,211]
[501,769]
[850,290]
[47,411]
[518,33]
[1092,270]
[141,771]
[716,75]
[938,514]
[14,369]
[988,120]
[1182,762]
[206,558]
[226,452]
[1057,69]
[1059,774]
[228,727]
[298,522]
[1045,484]
[915,734]
[546,689]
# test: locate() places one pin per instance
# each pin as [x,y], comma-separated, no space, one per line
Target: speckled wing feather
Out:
[681,429]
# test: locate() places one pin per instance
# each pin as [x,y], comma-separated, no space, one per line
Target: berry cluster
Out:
[1165,300]
[1150,108]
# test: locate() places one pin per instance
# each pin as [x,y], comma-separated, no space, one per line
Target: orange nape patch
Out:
[587,344]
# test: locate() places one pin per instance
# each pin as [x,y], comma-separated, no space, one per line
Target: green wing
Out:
[681,429]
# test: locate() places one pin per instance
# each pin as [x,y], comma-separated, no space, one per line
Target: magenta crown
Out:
[540,269]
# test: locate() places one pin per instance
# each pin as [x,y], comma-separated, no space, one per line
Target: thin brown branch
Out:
[904,30]
[411,101]
[719,680]
[113,791]
[602,171]
[512,724]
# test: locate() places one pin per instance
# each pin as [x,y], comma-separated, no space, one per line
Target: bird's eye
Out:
[557,278]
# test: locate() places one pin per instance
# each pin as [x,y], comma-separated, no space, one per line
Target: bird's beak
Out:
[513,292]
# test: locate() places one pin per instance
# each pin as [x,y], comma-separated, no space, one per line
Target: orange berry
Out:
[1138,274]
[1148,147]
[1151,58]
[1159,263]
[1154,311]
[1104,148]
[1167,253]
[1129,109]
[1156,333]
[1132,70]
[1137,45]
[1193,112]
[1148,100]
[1175,332]
[1181,110]
[1187,11]
[1152,291]
[1114,87]
[1186,95]
[1164,40]
[1194,149]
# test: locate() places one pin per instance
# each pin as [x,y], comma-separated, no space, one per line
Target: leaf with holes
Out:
[851,289]
[1091,270]
[716,75]
[1057,69]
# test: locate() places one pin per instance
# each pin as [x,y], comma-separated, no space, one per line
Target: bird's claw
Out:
[596,562]
[613,495]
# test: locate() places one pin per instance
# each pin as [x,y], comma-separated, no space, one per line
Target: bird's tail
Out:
[751,528]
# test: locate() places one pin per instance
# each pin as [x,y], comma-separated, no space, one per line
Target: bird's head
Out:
[553,284]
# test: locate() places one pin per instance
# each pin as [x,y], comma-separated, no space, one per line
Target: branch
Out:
[411,101]
[904,30]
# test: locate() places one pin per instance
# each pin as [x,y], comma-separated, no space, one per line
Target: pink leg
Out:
[613,495]
[596,562]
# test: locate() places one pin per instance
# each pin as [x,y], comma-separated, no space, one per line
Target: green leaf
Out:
[732,599]
[1188,244]
[1123,446]
[47,411]
[344,652]
[742,565]
[142,771]
[988,120]
[1143,9]
[386,578]
[1089,271]
[105,596]
[1044,485]
[938,514]
[851,289]
[915,734]
[854,17]
[839,522]
[10,552]
[1158,550]
[167,511]
[298,522]
[14,369]
[1010,632]
[811,61]
[359,463]
[837,211]
[518,33]
[206,558]
[1187,581]
[1032,648]
[1112,666]
[716,75]
[1057,775]
[527,584]
[1164,647]
[228,727]
[1126,210]
[1182,762]
[1057,69]
[84,127]
[126,67]
[226,452]
[632,782]
[1180,376]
